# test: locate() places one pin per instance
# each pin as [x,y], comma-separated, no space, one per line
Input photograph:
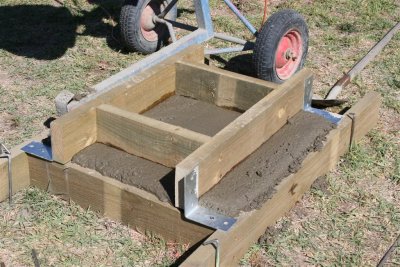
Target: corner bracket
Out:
[194,212]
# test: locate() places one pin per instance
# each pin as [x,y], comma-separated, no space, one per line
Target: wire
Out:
[265,13]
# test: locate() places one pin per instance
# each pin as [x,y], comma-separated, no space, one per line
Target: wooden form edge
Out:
[243,136]
[146,137]
[220,87]
[19,169]
[250,226]
[77,129]
[121,202]
[108,196]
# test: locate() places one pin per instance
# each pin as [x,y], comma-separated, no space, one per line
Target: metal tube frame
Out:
[203,33]
[241,17]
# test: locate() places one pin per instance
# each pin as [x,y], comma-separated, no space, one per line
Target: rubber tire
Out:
[268,40]
[130,27]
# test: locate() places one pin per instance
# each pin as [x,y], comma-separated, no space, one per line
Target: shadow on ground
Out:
[239,64]
[45,32]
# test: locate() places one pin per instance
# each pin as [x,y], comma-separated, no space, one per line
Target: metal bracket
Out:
[332,117]
[194,212]
[352,116]
[215,244]
[5,153]
[39,149]
[308,93]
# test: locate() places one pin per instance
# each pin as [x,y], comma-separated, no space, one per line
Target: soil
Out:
[128,169]
[321,184]
[192,114]
[253,181]
[272,232]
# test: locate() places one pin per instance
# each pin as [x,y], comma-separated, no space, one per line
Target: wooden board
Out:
[20,172]
[146,137]
[252,225]
[134,207]
[220,87]
[241,137]
[77,129]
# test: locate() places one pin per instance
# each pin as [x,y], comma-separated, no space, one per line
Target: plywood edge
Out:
[251,225]
[241,137]
[220,87]
[146,137]
[118,201]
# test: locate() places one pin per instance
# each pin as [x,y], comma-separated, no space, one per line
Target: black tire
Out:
[131,31]
[282,24]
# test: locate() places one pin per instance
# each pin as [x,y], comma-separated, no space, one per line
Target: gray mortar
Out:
[128,169]
[244,188]
[252,182]
[195,115]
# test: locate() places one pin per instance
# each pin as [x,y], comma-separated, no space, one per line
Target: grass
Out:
[65,234]
[350,217]
[46,47]
[355,217]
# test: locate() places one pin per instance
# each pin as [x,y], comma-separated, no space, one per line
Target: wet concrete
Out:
[244,188]
[192,114]
[252,182]
[128,169]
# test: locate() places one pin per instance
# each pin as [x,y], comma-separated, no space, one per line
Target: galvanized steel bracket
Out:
[308,94]
[194,212]
[39,149]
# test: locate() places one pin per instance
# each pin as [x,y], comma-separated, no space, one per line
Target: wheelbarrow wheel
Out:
[281,46]
[139,32]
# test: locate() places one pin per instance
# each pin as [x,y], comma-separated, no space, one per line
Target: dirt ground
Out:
[352,216]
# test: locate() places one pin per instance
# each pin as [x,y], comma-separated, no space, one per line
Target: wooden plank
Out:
[19,169]
[241,137]
[146,137]
[77,129]
[251,226]
[113,199]
[220,87]
[70,134]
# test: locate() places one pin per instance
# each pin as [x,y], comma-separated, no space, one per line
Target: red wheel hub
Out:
[147,25]
[288,55]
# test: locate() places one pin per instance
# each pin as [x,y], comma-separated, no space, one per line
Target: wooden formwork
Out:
[114,117]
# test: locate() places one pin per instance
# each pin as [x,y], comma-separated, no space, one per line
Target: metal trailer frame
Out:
[201,34]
